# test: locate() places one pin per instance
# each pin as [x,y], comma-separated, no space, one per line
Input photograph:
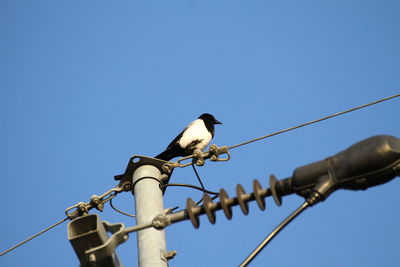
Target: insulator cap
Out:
[207,203]
[225,203]
[240,193]
[224,199]
[192,211]
[272,185]
[257,194]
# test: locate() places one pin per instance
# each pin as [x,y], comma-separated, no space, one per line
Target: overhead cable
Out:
[315,121]
[32,237]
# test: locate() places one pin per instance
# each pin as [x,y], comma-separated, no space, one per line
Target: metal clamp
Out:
[97,202]
[199,157]
[162,220]
[137,161]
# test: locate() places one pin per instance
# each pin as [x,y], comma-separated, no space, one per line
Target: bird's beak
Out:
[217,122]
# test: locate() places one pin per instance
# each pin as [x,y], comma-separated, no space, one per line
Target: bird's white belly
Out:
[196,131]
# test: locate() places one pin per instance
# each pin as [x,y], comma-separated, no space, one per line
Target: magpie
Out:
[197,135]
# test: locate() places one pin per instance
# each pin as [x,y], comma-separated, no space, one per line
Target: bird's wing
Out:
[196,135]
[180,135]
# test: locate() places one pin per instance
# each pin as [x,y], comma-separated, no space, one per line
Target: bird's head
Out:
[210,118]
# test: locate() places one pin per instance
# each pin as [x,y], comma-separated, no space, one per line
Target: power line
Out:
[315,121]
[198,177]
[32,237]
[282,225]
[81,208]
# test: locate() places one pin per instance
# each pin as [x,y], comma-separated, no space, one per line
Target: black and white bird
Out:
[197,135]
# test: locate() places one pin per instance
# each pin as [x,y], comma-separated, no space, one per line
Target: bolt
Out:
[166,168]
[213,149]
[82,209]
[170,254]
[92,258]
[200,162]
[164,178]
[127,187]
[100,206]
[95,200]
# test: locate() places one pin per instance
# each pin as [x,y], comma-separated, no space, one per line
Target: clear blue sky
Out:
[84,85]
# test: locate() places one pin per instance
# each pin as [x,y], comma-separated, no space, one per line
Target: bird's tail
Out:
[118,176]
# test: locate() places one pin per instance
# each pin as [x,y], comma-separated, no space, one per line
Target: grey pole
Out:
[148,204]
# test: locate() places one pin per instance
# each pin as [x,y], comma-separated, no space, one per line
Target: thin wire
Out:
[120,211]
[198,177]
[216,194]
[214,197]
[198,202]
[282,225]
[194,187]
[201,183]
[32,237]
[315,121]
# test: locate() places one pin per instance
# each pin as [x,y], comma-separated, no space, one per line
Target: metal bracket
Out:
[167,255]
[118,236]
[137,161]
[166,167]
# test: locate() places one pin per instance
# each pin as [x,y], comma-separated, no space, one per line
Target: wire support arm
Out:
[193,211]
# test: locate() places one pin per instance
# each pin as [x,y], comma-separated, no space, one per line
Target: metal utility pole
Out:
[148,204]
